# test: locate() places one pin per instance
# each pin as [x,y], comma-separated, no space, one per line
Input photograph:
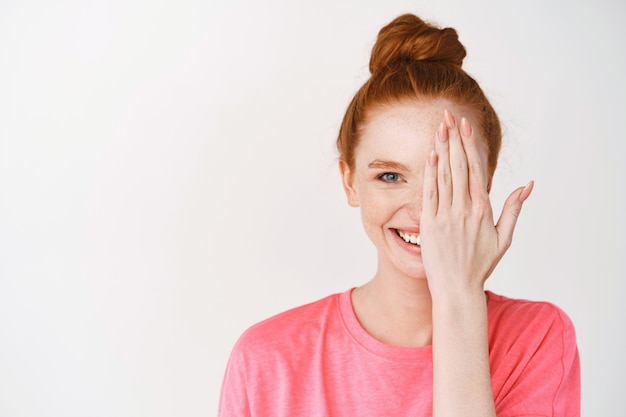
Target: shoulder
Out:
[530,337]
[515,313]
[534,358]
[290,327]
[270,353]
[533,334]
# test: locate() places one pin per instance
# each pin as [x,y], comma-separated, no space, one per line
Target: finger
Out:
[430,197]
[510,213]
[458,162]
[476,165]
[444,177]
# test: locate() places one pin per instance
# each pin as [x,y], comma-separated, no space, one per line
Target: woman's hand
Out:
[460,248]
[460,244]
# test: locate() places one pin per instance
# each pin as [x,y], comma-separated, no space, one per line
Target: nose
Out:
[413,203]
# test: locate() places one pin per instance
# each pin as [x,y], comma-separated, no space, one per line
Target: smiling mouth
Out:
[409,238]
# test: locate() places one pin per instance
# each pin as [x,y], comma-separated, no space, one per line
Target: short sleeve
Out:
[234,397]
[535,362]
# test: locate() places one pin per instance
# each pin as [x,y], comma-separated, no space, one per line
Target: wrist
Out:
[457,292]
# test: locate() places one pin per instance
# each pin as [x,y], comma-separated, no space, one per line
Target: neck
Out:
[395,309]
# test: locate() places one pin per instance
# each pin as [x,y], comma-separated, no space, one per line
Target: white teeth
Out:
[414,239]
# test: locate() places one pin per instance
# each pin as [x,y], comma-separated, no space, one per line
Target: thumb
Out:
[510,213]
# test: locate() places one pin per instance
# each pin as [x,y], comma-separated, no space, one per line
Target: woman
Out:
[418,148]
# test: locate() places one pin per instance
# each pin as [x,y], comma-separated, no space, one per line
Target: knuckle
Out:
[515,211]
[460,166]
[481,207]
[476,168]
[445,177]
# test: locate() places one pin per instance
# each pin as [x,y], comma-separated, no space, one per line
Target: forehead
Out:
[401,117]
[403,129]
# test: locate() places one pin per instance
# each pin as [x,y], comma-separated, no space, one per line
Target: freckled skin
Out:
[402,132]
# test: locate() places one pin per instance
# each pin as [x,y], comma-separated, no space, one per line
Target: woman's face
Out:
[386,181]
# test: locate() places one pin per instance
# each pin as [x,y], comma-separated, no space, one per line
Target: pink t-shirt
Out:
[317,360]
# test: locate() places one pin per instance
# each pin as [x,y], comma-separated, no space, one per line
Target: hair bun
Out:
[408,39]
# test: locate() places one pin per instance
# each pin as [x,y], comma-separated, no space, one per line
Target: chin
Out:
[413,271]
[419,276]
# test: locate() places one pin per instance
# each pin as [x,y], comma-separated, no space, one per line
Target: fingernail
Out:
[526,191]
[449,119]
[466,128]
[432,158]
[442,133]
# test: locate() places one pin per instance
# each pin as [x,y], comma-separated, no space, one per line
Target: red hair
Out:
[415,60]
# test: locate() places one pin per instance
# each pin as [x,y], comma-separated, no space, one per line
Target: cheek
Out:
[380,206]
[374,212]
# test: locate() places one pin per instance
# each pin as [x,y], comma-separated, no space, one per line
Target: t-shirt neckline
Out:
[372,345]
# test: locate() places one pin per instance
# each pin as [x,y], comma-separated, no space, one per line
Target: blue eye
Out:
[389,177]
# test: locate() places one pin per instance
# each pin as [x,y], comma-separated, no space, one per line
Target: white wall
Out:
[167,178]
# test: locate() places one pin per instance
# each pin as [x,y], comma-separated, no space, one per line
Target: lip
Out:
[411,248]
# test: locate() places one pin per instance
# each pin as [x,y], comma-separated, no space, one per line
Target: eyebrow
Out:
[385,164]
